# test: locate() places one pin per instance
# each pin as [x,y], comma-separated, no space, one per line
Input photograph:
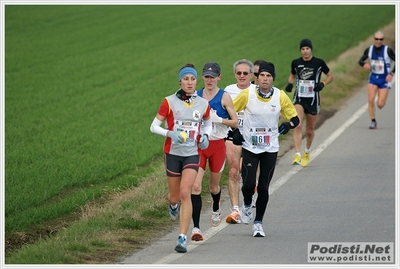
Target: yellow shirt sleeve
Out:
[287,108]
[240,102]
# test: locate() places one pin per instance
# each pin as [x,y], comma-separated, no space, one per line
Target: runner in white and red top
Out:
[183,111]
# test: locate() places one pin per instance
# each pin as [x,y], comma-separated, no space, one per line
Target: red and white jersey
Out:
[183,117]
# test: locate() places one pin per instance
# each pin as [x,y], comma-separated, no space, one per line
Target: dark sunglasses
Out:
[240,73]
[380,39]
[255,73]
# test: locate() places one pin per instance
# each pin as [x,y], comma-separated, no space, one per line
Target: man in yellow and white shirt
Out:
[262,108]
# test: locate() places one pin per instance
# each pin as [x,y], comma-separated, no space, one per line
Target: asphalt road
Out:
[346,194]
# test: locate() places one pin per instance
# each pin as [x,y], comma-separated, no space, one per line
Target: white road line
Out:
[283,179]
[192,245]
[275,186]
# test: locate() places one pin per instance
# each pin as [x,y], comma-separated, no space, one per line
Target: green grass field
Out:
[84,82]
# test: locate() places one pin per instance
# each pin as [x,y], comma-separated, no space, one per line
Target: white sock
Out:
[183,235]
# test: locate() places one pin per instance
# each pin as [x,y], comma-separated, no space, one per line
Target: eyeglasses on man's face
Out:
[378,39]
[239,73]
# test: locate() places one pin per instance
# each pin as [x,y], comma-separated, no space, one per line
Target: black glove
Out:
[319,87]
[289,87]
[284,128]
[237,137]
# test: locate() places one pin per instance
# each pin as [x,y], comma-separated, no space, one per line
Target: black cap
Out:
[306,43]
[211,69]
[267,67]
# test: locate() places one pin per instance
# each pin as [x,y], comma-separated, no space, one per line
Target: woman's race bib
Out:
[190,128]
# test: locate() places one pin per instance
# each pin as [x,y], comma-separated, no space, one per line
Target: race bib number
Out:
[190,128]
[240,116]
[306,88]
[377,67]
[260,137]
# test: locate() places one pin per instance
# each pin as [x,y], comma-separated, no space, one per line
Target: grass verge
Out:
[123,222]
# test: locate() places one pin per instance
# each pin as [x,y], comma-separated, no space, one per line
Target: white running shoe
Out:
[246,214]
[258,230]
[196,234]
[233,217]
[181,244]
[216,218]
[174,213]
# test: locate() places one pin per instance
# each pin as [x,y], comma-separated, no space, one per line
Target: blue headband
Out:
[187,70]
